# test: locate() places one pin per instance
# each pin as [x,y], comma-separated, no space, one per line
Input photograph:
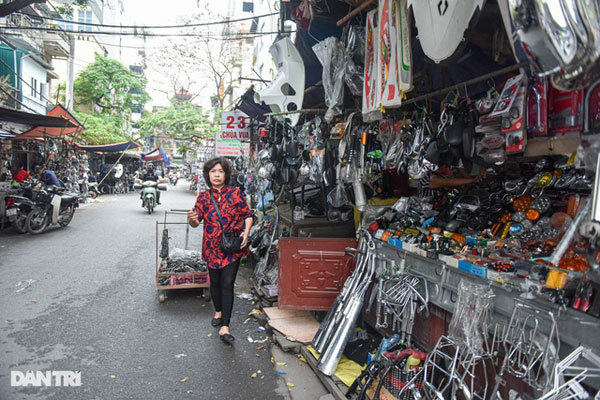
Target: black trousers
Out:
[221,289]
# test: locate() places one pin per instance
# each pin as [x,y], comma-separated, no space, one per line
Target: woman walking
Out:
[224,211]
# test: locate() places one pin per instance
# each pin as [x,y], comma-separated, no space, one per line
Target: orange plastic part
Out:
[434,229]
[532,214]
[522,203]
[573,205]
[458,238]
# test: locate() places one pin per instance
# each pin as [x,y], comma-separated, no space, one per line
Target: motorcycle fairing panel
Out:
[286,90]
[371,91]
[395,52]
[443,25]
[56,200]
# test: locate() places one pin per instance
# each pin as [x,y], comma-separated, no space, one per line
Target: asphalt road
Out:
[83,298]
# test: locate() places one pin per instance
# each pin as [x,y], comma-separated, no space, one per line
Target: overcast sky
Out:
[159,12]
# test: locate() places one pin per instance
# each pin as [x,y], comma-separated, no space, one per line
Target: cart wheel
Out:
[162,297]
[207,295]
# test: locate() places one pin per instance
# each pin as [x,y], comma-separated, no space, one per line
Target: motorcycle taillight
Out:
[10,201]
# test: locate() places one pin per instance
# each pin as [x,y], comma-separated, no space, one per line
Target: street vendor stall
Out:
[114,165]
[459,140]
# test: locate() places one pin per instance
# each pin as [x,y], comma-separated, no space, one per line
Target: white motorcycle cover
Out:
[286,90]
[395,52]
[442,24]
[56,200]
[372,83]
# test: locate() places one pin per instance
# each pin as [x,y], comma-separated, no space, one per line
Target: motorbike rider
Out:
[47,176]
[150,176]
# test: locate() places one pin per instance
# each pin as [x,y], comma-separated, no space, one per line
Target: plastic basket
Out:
[397,378]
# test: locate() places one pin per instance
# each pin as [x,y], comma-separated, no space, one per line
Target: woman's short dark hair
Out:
[210,164]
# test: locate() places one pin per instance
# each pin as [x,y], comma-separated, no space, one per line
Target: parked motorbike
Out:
[148,193]
[93,190]
[173,179]
[52,207]
[16,210]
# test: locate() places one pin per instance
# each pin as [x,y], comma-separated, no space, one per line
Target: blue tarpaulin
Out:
[111,148]
[156,155]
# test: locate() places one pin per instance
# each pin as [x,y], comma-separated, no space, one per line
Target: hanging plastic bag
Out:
[331,56]
[338,197]
[316,165]
[354,56]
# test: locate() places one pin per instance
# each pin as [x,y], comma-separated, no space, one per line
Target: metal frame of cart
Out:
[163,288]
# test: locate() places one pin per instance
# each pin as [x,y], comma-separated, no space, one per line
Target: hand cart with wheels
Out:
[170,236]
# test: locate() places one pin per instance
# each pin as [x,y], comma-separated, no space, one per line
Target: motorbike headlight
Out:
[553,19]
[575,22]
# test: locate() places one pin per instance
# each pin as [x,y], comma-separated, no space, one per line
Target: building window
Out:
[67,26]
[42,90]
[33,87]
[84,16]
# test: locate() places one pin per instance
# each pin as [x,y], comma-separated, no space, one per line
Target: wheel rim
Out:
[37,221]
[21,222]
[68,217]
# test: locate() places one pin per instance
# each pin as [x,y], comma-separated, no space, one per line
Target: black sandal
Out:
[227,338]
[216,322]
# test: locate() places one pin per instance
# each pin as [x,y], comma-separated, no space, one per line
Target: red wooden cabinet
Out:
[312,271]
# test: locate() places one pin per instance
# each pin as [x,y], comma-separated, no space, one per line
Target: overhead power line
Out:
[248,35]
[222,22]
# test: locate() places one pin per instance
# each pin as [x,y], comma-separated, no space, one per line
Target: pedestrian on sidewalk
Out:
[235,217]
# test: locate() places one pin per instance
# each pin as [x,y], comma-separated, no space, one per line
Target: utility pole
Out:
[70,74]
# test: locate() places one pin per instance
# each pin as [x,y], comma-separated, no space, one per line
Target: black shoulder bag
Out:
[230,242]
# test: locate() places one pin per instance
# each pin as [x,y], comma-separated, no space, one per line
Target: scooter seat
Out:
[68,199]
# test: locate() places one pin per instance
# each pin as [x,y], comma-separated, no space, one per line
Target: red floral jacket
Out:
[234,210]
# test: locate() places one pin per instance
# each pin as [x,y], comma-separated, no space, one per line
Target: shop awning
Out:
[110,148]
[38,120]
[69,125]
[5,134]
[156,155]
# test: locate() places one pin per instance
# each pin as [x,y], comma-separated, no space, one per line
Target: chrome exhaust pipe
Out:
[341,301]
[326,326]
[334,346]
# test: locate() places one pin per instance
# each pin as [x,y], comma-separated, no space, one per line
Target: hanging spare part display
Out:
[234,137]
[444,25]
[286,90]
[371,91]
[394,52]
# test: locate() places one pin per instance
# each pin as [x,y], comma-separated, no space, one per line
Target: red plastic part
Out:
[566,111]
